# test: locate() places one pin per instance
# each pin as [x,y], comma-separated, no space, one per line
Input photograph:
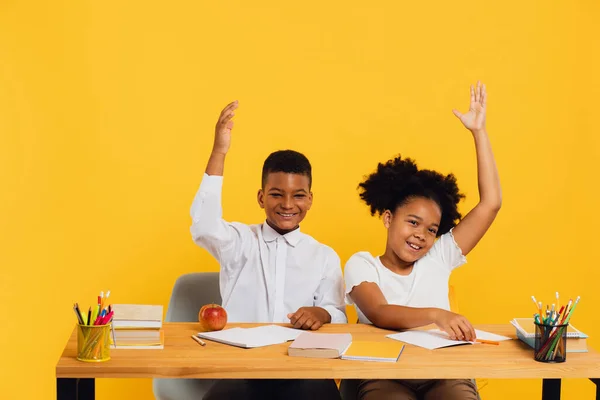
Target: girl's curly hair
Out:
[399,180]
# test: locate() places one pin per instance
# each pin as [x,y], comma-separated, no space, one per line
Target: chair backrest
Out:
[453,300]
[192,291]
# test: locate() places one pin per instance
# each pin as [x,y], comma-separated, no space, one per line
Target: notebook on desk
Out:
[141,343]
[437,339]
[362,350]
[320,345]
[252,337]
[137,316]
[525,329]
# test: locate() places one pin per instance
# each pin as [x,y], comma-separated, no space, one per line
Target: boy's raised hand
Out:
[455,325]
[223,129]
[309,318]
[474,119]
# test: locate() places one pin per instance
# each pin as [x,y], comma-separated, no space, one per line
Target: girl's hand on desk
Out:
[455,325]
[309,318]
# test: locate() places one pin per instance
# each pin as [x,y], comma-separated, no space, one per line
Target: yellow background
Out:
[107,111]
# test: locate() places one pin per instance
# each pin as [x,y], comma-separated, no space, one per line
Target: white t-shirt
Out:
[425,286]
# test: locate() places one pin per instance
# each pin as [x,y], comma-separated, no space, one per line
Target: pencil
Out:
[487,341]
[200,341]
[534,302]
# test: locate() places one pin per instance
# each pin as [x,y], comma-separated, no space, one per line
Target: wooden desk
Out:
[182,357]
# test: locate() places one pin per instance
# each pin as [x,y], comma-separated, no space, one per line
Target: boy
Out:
[270,272]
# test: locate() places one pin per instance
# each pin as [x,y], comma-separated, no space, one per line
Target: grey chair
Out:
[191,291]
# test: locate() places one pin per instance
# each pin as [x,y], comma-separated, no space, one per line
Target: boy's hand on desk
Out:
[455,325]
[309,318]
[223,129]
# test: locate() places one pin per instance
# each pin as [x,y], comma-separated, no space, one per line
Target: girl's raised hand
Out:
[474,119]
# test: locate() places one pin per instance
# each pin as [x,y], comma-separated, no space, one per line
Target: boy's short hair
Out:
[288,161]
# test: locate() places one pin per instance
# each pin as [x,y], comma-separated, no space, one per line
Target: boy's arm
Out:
[330,294]
[473,226]
[216,162]
[208,228]
[329,304]
[371,301]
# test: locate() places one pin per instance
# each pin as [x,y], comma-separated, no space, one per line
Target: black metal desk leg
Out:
[597,382]
[551,389]
[75,389]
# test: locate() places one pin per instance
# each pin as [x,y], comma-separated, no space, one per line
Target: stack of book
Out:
[341,345]
[576,340]
[138,326]
[320,345]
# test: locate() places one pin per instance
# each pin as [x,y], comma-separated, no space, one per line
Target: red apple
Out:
[212,317]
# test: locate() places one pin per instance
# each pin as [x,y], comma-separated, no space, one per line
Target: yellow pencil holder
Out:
[93,343]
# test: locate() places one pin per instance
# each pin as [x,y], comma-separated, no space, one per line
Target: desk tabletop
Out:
[182,357]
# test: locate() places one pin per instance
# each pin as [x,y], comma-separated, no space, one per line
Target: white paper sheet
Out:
[436,339]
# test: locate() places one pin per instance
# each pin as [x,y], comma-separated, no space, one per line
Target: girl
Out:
[407,286]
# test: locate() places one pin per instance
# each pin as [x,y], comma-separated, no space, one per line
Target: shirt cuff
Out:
[337,316]
[211,183]
[209,187]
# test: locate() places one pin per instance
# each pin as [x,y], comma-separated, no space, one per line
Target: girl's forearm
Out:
[490,193]
[389,316]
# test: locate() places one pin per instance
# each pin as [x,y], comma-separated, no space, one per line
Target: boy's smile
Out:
[286,198]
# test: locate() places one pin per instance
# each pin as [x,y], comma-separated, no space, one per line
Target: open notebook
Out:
[436,339]
[252,337]
[362,350]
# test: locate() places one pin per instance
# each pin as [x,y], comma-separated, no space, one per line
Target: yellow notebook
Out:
[386,351]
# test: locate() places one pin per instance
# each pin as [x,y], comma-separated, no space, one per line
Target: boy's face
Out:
[286,198]
[412,228]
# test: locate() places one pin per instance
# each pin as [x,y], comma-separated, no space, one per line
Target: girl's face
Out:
[412,228]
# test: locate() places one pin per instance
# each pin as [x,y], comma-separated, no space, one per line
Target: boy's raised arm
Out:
[216,162]
[208,228]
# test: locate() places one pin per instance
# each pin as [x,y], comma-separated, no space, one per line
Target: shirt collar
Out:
[270,234]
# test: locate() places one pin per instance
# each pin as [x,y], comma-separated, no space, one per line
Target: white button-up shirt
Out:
[265,275]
